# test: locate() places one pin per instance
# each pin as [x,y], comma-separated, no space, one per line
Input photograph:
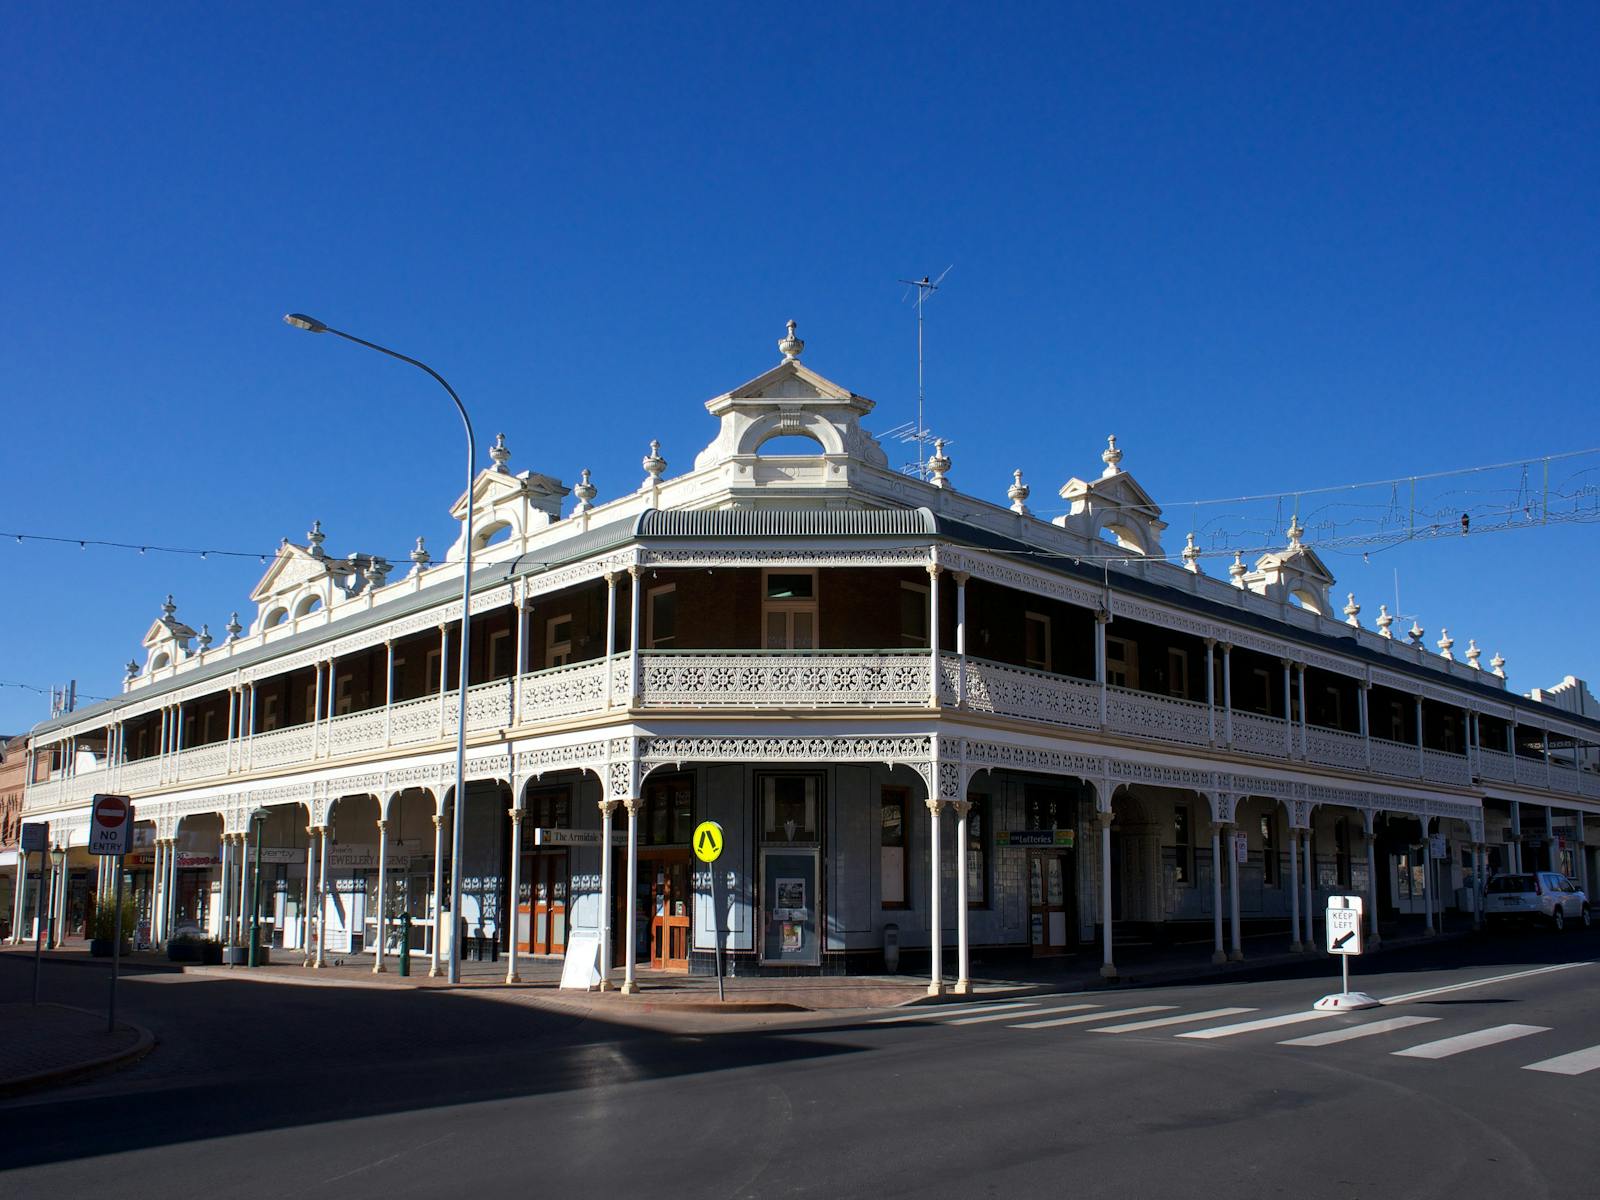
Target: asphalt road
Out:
[272,1090]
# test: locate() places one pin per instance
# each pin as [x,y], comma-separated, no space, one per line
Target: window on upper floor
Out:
[558,641]
[502,652]
[1263,690]
[789,609]
[661,617]
[913,614]
[1036,641]
[1178,673]
[1122,662]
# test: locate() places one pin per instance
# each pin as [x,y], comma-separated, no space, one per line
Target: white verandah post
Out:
[935,922]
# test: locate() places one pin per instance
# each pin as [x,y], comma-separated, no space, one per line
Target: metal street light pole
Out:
[312,325]
[258,821]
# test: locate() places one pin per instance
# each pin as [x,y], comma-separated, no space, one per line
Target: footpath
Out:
[49,1044]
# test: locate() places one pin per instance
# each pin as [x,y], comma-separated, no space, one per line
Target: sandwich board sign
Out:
[111,825]
[1343,923]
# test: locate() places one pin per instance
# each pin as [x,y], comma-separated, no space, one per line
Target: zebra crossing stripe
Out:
[1222,1031]
[1461,1043]
[1578,1062]
[1370,1029]
[940,1012]
[1096,1016]
[1180,1019]
[1011,1016]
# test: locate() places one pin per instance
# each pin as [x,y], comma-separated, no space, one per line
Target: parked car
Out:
[1535,896]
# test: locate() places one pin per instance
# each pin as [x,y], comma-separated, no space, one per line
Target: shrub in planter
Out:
[104,928]
[188,948]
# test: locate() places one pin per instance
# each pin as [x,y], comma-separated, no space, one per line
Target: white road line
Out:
[1473,983]
[939,1013]
[1098,1016]
[1358,1031]
[1180,1019]
[1576,1063]
[1012,1016]
[1460,1044]
[1221,1031]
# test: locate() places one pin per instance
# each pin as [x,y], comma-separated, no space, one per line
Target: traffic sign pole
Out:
[38,928]
[116,954]
[708,849]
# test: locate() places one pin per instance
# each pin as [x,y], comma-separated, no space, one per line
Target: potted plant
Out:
[104,928]
[191,947]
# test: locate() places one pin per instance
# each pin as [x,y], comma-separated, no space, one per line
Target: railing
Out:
[1531,772]
[1018,692]
[1165,718]
[783,679]
[1335,747]
[488,707]
[1256,734]
[1495,765]
[1441,766]
[1395,758]
[569,690]
[354,733]
[419,720]
[203,762]
[1564,779]
[281,747]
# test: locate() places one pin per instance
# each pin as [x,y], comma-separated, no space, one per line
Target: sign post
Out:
[708,848]
[1344,939]
[111,833]
[35,837]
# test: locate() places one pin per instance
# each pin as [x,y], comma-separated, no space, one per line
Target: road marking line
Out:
[1358,1031]
[1221,1031]
[1576,1063]
[1460,1044]
[1012,1016]
[1180,1019]
[1461,987]
[939,1013]
[1098,1016]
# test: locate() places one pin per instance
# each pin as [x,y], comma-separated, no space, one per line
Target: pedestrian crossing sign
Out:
[708,841]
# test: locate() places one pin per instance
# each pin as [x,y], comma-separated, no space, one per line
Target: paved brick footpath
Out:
[52,1042]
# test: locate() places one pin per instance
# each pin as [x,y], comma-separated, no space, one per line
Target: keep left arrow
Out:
[1340,941]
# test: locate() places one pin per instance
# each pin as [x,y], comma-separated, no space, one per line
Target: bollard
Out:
[405,943]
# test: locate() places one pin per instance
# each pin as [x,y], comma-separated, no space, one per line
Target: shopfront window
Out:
[893,859]
[978,853]
[1182,847]
[668,811]
[789,808]
[550,808]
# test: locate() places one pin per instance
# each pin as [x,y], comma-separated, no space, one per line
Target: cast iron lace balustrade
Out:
[786,679]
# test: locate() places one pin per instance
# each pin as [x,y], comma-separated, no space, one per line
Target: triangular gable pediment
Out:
[1117,491]
[163,630]
[789,381]
[294,566]
[1301,560]
[492,488]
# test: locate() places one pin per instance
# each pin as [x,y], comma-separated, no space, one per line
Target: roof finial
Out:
[791,346]
[205,638]
[1191,554]
[1352,611]
[1384,621]
[585,492]
[233,627]
[1296,531]
[500,454]
[132,669]
[1237,569]
[938,464]
[1444,644]
[1018,493]
[168,608]
[1473,654]
[1111,456]
[420,557]
[1497,664]
[654,465]
[314,539]
[1415,633]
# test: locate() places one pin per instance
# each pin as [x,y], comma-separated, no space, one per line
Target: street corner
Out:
[47,1045]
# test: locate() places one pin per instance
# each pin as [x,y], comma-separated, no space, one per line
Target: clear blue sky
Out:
[1271,249]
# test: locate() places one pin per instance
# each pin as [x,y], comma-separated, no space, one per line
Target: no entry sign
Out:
[111,827]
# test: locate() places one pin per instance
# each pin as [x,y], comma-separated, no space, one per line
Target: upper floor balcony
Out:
[885,640]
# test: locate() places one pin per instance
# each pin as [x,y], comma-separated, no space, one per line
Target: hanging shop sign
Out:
[189,860]
[359,856]
[1065,838]
[575,837]
[283,854]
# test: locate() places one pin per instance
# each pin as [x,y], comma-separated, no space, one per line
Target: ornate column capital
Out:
[635,570]
[1225,647]
[632,803]
[934,570]
[936,805]
[961,577]
[438,820]
[609,807]
[611,577]
[1104,818]
[960,807]
[382,824]
[516,813]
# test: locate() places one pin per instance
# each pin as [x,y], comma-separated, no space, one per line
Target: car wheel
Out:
[1584,917]
[1558,919]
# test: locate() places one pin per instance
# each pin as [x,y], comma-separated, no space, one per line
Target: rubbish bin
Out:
[891,949]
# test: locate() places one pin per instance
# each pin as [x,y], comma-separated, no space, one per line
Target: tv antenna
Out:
[920,436]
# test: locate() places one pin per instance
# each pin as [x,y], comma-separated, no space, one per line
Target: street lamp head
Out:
[260,814]
[58,856]
[301,321]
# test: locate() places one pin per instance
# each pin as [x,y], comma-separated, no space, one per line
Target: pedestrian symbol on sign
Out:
[708,841]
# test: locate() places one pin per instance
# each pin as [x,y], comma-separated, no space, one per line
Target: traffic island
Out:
[51,1044]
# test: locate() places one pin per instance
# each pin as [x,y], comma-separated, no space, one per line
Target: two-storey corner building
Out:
[13,780]
[913,712]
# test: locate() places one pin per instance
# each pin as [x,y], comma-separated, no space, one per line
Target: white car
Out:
[1535,896]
